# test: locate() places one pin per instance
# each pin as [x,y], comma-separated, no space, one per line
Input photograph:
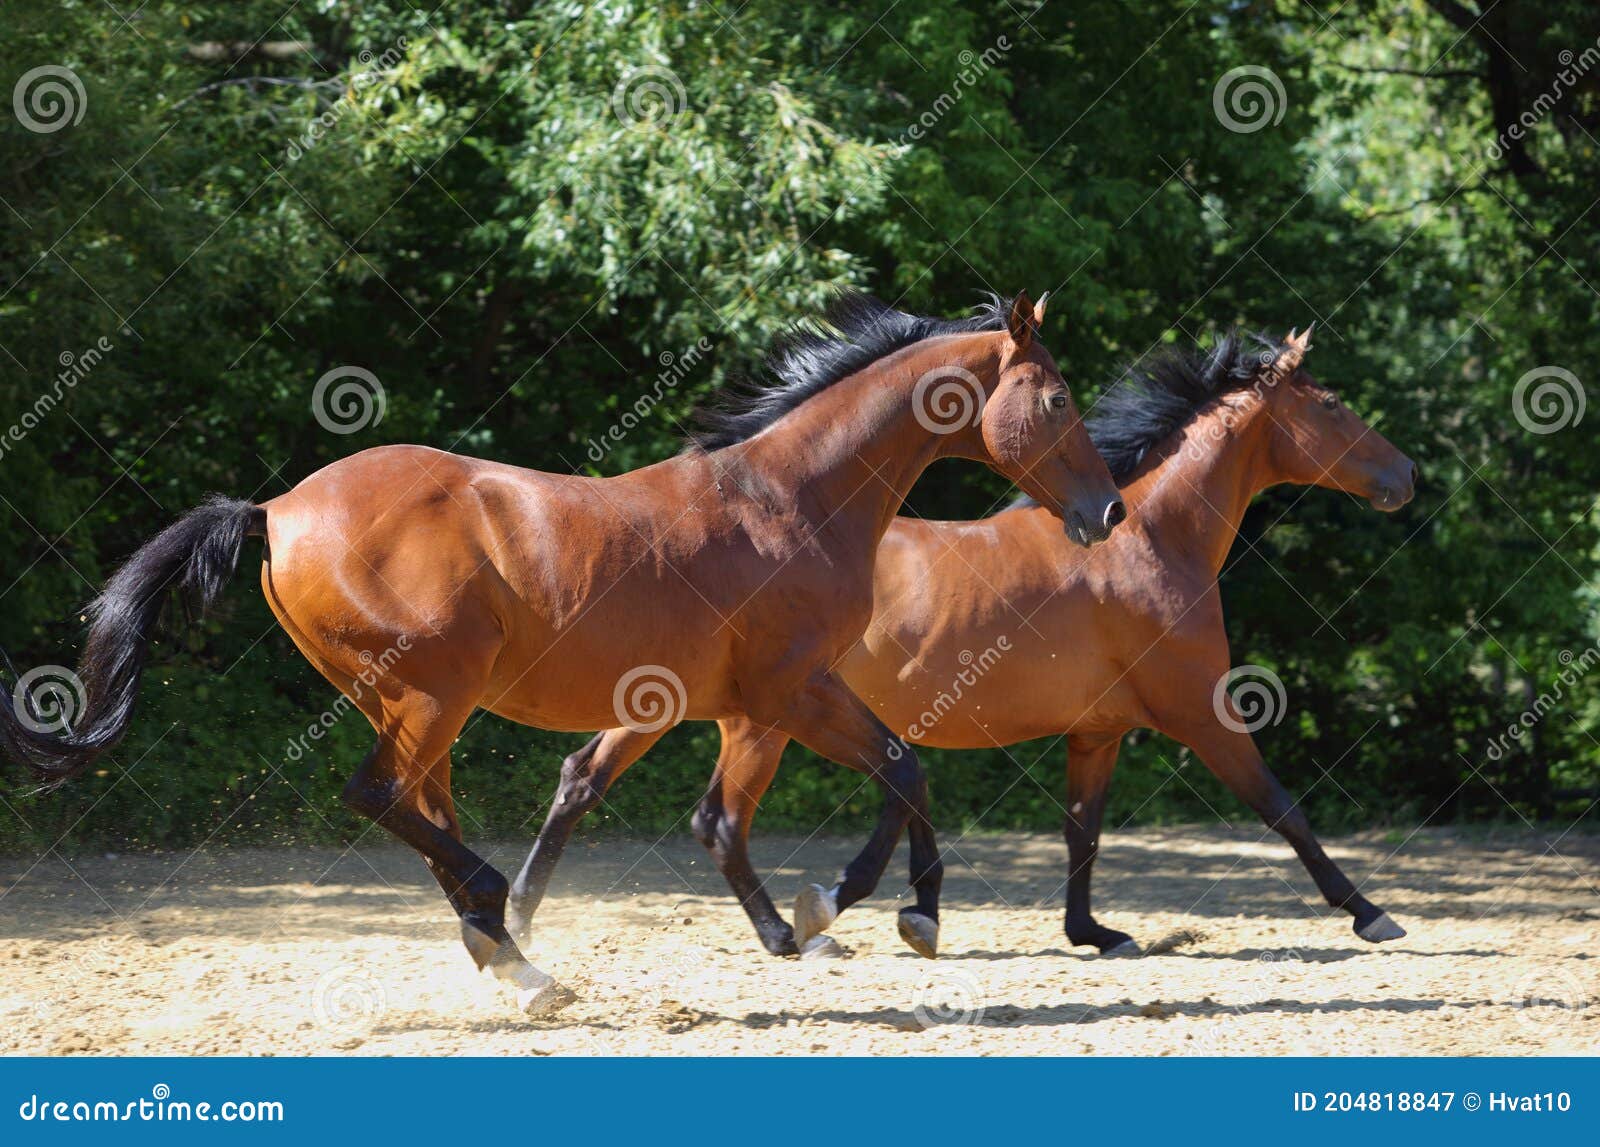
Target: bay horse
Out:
[724,582]
[1088,647]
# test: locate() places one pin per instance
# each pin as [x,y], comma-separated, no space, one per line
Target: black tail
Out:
[195,555]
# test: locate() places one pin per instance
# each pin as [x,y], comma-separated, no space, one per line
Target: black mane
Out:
[1159,393]
[855,331]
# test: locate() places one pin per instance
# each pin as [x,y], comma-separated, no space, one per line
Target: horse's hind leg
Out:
[404,786]
[749,760]
[585,777]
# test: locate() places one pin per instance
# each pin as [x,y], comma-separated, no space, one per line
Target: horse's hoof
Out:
[822,947]
[538,994]
[814,910]
[921,932]
[1126,948]
[1380,930]
[545,1001]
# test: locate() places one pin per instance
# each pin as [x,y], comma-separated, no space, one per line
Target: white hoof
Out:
[537,993]
[814,910]
[822,948]
[1126,948]
[921,932]
[1380,930]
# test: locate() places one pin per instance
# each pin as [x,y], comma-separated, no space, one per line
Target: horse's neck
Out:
[1193,492]
[849,455]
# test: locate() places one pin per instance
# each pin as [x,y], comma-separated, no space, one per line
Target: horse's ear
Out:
[1020,322]
[1294,349]
[1038,311]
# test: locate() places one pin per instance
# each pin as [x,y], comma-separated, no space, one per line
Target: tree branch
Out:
[1448,73]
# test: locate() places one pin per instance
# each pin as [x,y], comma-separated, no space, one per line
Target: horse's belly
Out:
[589,678]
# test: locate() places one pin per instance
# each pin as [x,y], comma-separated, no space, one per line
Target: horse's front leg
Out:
[1090,762]
[1232,755]
[826,717]
[749,760]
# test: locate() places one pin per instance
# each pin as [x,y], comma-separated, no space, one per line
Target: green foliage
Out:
[512,214]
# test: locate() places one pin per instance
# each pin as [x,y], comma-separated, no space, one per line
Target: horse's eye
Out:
[1329,402]
[1058,402]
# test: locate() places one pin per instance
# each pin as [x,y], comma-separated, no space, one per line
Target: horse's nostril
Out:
[1116,514]
[1414,474]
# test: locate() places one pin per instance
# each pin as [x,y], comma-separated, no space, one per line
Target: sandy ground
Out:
[300,951]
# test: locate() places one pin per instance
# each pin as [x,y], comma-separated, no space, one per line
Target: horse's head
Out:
[1033,434]
[1319,441]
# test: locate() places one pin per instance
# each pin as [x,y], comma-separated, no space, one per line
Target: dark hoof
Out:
[1381,929]
[780,943]
[921,933]
[1108,940]
[814,910]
